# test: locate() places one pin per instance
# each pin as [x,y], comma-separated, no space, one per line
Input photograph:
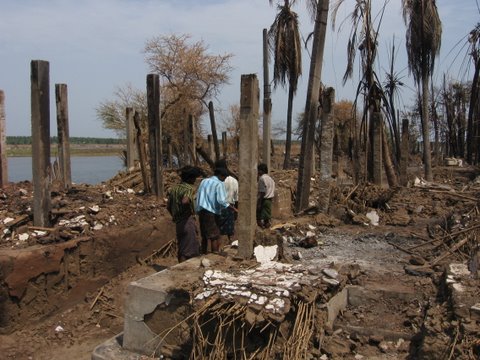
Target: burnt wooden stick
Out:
[214,130]
[205,156]
[141,153]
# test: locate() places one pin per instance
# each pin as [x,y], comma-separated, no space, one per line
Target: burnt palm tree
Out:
[424,33]
[473,128]
[363,37]
[285,44]
[320,9]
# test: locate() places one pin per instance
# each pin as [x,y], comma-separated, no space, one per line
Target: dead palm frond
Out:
[285,45]
[424,35]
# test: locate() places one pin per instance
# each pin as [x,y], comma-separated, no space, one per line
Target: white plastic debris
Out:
[265,254]
[40,233]
[311,227]
[373,217]
[59,329]
[7,220]
[130,191]
[234,244]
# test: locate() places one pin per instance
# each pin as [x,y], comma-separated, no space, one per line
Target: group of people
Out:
[216,204]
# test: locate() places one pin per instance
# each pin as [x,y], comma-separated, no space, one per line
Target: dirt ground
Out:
[415,238]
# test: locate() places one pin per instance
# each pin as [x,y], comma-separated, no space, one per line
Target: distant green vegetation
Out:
[27,140]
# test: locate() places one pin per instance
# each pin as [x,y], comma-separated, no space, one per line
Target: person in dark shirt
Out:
[181,205]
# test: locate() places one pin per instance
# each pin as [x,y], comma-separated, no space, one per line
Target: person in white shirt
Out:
[266,192]
[229,215]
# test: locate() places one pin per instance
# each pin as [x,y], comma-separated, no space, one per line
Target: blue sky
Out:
[95,46]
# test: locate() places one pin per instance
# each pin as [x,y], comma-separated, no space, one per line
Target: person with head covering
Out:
[266,192]
[180,205]
[211,200]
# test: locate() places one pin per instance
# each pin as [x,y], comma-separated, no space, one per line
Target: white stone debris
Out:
[23,192]
[269,285]
[59,329]
[234,244]
[95,209]
[206,263]
[331,273]
[23,236]
[7,220]
[265,254]
[373,217]
[130,191]
[78,221]
[97,226]
[39,233]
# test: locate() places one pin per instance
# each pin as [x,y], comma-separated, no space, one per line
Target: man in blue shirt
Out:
[211,200]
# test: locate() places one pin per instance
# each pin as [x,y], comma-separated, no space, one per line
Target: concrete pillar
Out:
[247,222]
[405,152]
[130,138]
[224,144]
[40,108]
[377,148]
[155,134]
[3,143]
[61,99]
[267,105]
[326,149]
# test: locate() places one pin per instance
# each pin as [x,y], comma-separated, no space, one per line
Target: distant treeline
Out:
[27,140]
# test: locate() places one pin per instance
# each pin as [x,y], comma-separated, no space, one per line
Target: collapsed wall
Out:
[212,308]
[38,280]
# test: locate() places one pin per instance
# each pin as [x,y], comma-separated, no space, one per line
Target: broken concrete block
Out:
[265,254]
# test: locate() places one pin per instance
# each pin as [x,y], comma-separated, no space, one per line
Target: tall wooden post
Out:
[130,138]
[224,144]
[326,148]
[405,152]
[155,134]
[141,153]
[192,145]
[377,148]
[249,104]
[211,147]
[40,108]
[214,130]
[169,152]
[185,154]
[3,143]
[267,105]
[61,99]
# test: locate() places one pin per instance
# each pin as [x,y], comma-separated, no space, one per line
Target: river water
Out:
[85,169]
